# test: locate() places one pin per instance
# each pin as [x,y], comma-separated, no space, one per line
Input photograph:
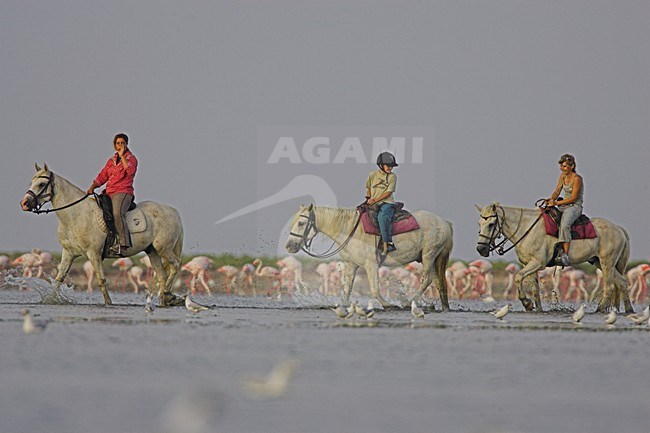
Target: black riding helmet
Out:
[386,158]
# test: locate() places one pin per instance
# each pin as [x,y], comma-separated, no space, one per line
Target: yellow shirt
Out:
[379,182]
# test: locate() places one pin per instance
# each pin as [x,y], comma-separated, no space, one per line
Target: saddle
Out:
[403,221]
[582,228]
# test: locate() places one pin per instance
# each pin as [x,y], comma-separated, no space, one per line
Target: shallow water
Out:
[99,369]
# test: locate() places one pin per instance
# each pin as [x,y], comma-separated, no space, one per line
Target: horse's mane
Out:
[334,218]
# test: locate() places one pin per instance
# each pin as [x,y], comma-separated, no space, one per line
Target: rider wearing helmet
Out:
[380,187]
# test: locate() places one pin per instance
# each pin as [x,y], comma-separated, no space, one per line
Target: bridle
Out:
[48,197]
[497,232]
[311,225]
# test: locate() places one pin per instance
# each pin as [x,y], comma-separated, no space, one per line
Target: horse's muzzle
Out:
[483,250]
[27,203]
[293,246]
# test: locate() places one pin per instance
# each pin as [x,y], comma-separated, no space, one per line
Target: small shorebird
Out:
[193,306]
[416,311]
[502,312]
[31,326]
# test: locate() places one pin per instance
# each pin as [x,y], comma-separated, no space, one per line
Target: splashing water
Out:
[51,292]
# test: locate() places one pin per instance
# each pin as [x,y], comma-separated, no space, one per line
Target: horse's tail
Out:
[440,265]
[621,264]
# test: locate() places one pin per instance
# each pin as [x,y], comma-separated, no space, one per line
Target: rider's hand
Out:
[90,191]
[370,201]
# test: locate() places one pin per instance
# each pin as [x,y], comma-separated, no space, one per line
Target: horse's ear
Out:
[311,206]
[45,167]
[478,208]
[37,167]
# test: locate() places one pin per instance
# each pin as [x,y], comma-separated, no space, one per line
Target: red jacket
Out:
[116,178]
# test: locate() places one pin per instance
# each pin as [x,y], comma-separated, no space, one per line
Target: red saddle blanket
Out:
[584,230]
[401,226]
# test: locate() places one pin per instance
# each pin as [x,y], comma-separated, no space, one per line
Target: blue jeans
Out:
[385,220]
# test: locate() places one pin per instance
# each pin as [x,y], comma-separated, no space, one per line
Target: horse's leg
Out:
[527,270]
[620,282]
[534,283]
[372,270]
[96,261]
[349,272]
[171,263]
[159,272]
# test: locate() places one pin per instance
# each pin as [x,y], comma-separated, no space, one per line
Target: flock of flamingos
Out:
[473,280]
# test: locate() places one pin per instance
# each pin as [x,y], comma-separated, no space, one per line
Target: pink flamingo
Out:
[198,268]
[577,280]
[230,274]
[598,285]
[287,279]
[455,276]
[89,272]
[293,265]
[123,264]
[383,273]
[482,271]
[135,278]
[246,274]
[323,270]
[4,262]
[636,278]
[268,272]
[146,264]
[416,276]
[28,261]
[337,268]
[511,270]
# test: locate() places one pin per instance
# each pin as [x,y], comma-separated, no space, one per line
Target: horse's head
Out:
[40,189]
[303,229]
[489,228]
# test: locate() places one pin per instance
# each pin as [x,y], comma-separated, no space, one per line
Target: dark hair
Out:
[568,158]
[121,135]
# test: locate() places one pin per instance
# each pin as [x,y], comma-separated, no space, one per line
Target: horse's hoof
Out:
[527,303]
[171,300]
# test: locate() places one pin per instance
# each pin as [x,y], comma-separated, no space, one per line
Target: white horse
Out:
[80,231]
[431,245]
[525,229]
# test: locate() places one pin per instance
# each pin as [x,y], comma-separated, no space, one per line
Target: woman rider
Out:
[571,186]
[118,174]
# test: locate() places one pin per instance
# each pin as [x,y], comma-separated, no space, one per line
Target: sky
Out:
[240,111]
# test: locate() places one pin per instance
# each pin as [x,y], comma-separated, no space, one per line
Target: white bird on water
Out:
[638,319]
[365,313]
[579,314]
[502,312]
[149,305]
[274,385]
[340,311]
[611,318]
[31,326]
[416,311]
[193,306]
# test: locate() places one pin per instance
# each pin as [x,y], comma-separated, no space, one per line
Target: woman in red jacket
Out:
[118,175]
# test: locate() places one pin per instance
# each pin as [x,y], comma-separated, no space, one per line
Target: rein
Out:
[306,243]
[497,232]
[50,183]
